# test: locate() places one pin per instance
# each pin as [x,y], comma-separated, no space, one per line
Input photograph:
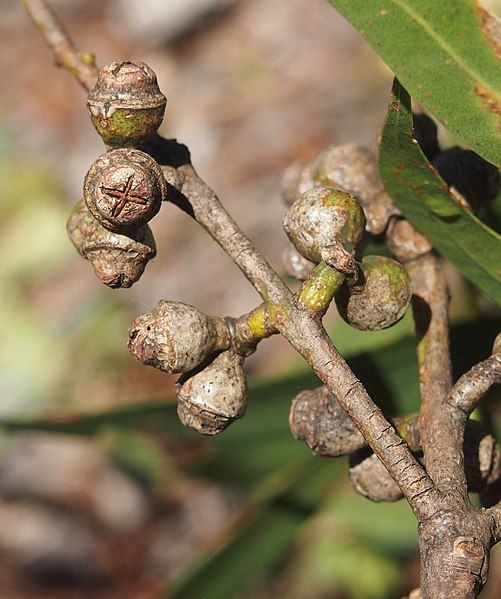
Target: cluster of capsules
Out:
[333,201]
[124,189]
[325,226]
[380,294]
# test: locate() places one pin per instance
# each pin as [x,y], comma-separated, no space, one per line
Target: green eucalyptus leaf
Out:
[439,52]
[425,200]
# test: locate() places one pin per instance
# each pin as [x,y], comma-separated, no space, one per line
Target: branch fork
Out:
[455,537]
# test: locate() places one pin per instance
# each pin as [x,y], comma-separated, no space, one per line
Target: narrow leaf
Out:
[251,546]
[439,52]
[425,200]
[248,556]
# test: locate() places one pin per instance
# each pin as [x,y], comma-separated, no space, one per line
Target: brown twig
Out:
[455,538]
[474,384]
[455,546]
[455,543]
[315,296]
[307,335]
[81,65]
[317,419]
[465,397]
[441,438]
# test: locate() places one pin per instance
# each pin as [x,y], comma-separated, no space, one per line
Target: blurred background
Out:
[109,497]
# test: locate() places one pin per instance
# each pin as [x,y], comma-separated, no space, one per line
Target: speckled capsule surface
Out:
[317,419]
[348,167]
[210,400]
[126,105]
[379,299]
[325,224]
[354,169]
[124,189]
[119,259]
[371,479]
[175,337]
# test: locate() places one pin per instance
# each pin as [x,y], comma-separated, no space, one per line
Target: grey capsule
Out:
[210,400]
[379,299]
[176,337]
[326,224]
[371,479]
[354,168]
[348,167]
[118,259]
[317,419]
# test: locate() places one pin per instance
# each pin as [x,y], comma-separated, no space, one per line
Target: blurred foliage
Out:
[31,214]
[300,521]
[41,349]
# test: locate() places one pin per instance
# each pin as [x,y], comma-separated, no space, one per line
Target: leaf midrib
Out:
[444,45]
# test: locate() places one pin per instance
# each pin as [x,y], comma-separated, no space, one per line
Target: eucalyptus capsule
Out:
[124,189]
[126,105]
[210,400]
[379,298]
[118,259]
[175,337]
[354,168]
[326,224]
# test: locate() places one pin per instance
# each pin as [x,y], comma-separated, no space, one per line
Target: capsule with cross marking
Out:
[124,189]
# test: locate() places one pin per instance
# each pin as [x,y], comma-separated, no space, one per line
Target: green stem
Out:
[318,291]
[315,296]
